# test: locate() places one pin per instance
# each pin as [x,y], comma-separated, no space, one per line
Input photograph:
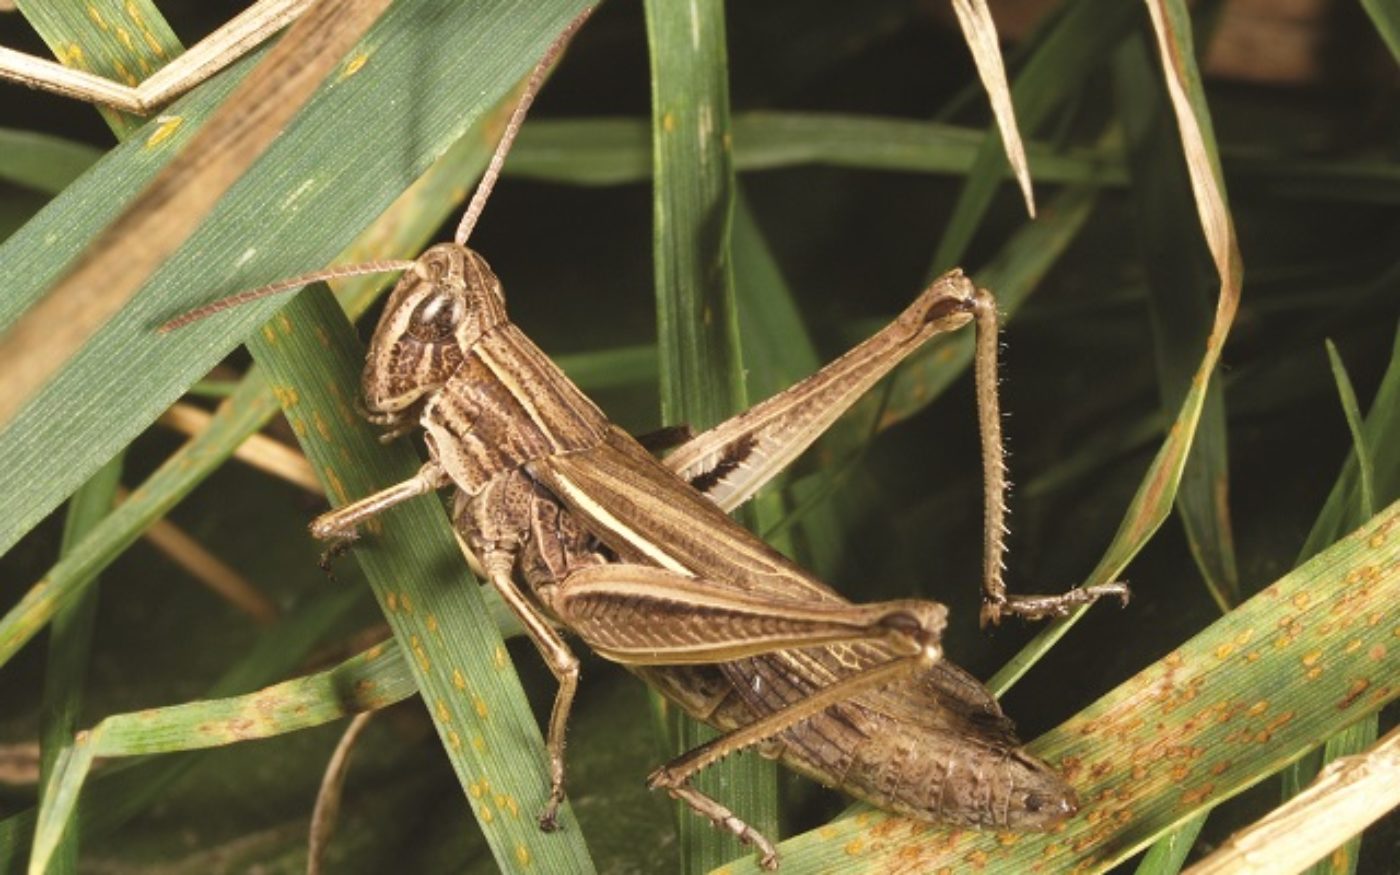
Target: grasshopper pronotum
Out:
[637,557]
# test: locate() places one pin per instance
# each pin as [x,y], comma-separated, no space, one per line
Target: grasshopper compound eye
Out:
[435,319]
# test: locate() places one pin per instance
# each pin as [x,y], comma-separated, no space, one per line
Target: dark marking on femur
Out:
[738,451]
[947,307]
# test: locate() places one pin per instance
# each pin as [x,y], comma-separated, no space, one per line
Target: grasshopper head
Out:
[439,309]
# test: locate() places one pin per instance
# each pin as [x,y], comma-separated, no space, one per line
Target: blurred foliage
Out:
[1092,361]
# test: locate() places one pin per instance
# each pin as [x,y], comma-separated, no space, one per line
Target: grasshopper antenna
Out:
[286,285]
[517,118]
[464,228]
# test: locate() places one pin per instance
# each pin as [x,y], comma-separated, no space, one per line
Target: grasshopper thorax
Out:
[441,306]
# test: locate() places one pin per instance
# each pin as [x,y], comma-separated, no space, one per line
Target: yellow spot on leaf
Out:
[522,855]
[391,602]
[1301,600]
[1311,658]
[459,680]
[480,705]
[353,66]
[854,847]
[498,657]
[668,122]
[96,16]
[479,788]
[478,744]
[431,623]
[443,714]
[406,602]
[454,740]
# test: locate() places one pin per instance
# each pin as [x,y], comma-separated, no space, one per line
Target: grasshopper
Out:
[579,527]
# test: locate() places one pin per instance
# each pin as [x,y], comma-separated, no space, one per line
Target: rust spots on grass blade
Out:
[353,66]
[1354,691]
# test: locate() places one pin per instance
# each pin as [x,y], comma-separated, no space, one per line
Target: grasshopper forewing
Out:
[577,525]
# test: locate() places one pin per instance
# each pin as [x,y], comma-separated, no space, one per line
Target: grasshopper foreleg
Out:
[340,524]
[496,523]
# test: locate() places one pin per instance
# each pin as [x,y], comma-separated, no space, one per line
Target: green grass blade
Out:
[1386,18]
[416,569]
[1155,495]
[372,680]
[1179,278]
[70,647]
[1220,713]
[70,642]
[1361,735]
[1168,853]
[1076,43]
[1351,410]
[702,376]
[42,162]
[350,153]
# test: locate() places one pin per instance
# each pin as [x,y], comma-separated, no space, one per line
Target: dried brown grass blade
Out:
[327,809]
[1348,796]
[164,215]
[259,450]
[981,34]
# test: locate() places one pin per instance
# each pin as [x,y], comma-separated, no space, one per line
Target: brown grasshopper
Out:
[576,525]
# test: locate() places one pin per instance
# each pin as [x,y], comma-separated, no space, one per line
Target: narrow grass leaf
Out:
[118,796]
[1362,734]
[702,375]
[1180,737]
[1365,466]
[367,682]
[418,574]
[1168,853]
[53,164]
[1180,276]
[617,150]
[42,162]
[1155,495]
[1386,18]
[70,648]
